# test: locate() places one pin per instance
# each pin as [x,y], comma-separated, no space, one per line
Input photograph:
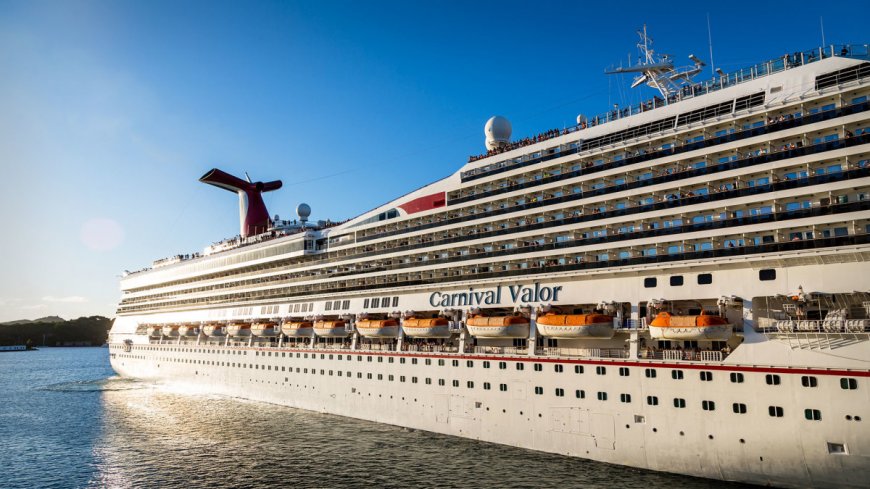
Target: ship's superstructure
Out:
[679,286]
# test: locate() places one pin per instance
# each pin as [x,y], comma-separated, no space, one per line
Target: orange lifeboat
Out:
[170,330]
[331,328]
[239,329]
[666,326]
[498,326]
[298,329]
[154,330]
[213,329]
[188,329]
[569,326]
[426,327]
[268,328]
[378,328]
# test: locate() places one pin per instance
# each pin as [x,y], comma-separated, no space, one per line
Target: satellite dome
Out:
[497,131]
[581,119]
[303,211]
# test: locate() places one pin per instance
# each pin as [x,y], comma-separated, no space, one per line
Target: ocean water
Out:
[66,421]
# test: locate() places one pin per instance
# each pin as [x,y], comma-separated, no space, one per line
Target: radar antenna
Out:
[657,70]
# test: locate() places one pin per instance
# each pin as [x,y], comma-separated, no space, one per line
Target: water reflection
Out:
[172,439]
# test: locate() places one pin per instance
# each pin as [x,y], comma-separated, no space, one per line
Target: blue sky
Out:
[111,110]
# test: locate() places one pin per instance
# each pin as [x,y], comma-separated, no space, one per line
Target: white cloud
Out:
[35,306]
[70,299]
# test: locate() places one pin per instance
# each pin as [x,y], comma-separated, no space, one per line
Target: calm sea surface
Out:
[66,421]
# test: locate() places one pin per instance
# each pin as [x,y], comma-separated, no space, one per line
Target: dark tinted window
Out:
[650,282]
[705,279]
[676,280]
[767,274]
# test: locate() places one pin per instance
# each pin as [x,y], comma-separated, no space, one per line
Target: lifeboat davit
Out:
[498,326]
[188,329]
[666,326]
[378,328]
[566,326]
[170,330]
[239,330]
[213,329]
[331,328]
[267,329]
[426,327]
[298,329]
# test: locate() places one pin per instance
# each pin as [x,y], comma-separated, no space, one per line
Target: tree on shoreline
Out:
[92,330]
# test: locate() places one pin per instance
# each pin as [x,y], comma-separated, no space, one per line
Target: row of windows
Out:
[380,302]
[703,279]
[336,305]
[846,383]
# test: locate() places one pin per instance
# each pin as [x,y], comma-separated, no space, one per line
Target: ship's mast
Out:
[658,71]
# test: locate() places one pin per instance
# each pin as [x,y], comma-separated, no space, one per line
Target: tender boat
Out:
[666,326]
[214,329]
[265,329]
[567,326]
[170,330]
[238,330]
[188,329]
[378,328]
[297,329]
[515,326]
[426,327]
[331,328]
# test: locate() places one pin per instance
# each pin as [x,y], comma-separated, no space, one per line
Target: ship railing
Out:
[376,347]
[818,326]
[631,324]
[684,355]
[430,348]
[500,350]
[557,351]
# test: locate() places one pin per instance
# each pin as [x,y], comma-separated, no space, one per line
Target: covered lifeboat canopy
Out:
[515,326]
[567,326]
[704,326]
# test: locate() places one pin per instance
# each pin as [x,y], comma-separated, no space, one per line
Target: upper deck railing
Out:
[776,65]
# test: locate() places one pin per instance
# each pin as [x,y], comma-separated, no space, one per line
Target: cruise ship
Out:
[682,286]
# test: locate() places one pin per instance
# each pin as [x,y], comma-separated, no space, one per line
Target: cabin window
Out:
[623,371]
[775,411]
[538,367]
[602,396]
[772,379]
[848,384]
[539,390]
[652,400]
[676,280]
[809,381]
[578,369]
[706,376]
[625,398]
[739,408]
[708,405]
[560,392]
[813,414]
[679,403]
[767,274]
[677,374]
[486,386]
[705,279]
[650,373]
[736,377]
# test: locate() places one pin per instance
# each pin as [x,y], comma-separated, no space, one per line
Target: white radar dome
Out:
[303,211]
[497,131]
[581,119]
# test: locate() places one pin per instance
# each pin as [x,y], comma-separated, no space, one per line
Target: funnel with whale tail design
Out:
[253,216]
